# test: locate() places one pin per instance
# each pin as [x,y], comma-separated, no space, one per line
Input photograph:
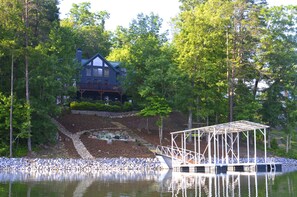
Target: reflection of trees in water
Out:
[133,183]
[78,184]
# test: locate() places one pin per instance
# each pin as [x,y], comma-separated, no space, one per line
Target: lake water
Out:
[147,184]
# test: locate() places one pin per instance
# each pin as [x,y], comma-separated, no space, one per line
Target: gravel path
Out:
[79,146]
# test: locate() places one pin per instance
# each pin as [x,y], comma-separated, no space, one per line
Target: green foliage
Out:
[282,153]
[19,123]
[156,106]
[20,151]
[89,29]
[147,59]
[4,149]
[274,144]
[81,15]
[279,46]
[201,44]
[51,67]
[221,49]
[127,106]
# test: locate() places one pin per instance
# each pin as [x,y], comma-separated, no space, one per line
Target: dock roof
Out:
[230,127]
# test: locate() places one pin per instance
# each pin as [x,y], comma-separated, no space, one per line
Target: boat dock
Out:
[221,148]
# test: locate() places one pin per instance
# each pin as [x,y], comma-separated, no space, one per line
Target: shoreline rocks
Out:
[15,165]
[83,165]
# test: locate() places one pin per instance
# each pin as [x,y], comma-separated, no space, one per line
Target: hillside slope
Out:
[134,128]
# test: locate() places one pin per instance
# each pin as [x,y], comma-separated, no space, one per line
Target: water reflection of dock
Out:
[223,185]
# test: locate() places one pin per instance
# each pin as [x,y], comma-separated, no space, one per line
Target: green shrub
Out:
[114,108]
[127,106]
[117,103]
[20,151]
[4,150]
[274,144]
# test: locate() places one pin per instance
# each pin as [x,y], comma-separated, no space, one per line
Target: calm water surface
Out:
[147,184]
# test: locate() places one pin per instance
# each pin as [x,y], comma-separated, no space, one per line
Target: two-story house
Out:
[99,78]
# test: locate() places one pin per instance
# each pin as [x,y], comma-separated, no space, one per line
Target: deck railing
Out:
[98,87]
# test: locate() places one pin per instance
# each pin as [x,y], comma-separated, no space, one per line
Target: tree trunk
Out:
[287,144]
[255,88]
[190,119]
[290,142]
[190,124]
[11,110]
[147,125]
[161,130]
[229,79]
[27,75]
[268,139]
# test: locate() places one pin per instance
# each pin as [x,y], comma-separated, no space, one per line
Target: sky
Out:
[122,12]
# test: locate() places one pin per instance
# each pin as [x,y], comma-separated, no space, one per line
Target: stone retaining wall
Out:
[105,113]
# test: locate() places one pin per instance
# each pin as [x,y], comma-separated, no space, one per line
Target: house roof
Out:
[230,127]
[83,61]
[113,65]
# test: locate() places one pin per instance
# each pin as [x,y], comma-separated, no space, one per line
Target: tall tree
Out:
[140,49]
[34,33]
[149,63]
[81,16]
[279,53]
[11,107]
[157,106]
[245,31]
[89,28]
[200,44]
[30,31]
[26,33]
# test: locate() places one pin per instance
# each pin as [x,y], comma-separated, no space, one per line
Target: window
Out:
[97,72]
[88,72]
[97,62]
[106,72]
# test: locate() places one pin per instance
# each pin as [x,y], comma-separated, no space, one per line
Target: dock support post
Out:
[214,147]
[226,147]
[209,149]
[255,146]
[238,153]
[265,146]
[248,146]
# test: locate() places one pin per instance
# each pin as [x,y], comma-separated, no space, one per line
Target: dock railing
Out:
[182,155]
